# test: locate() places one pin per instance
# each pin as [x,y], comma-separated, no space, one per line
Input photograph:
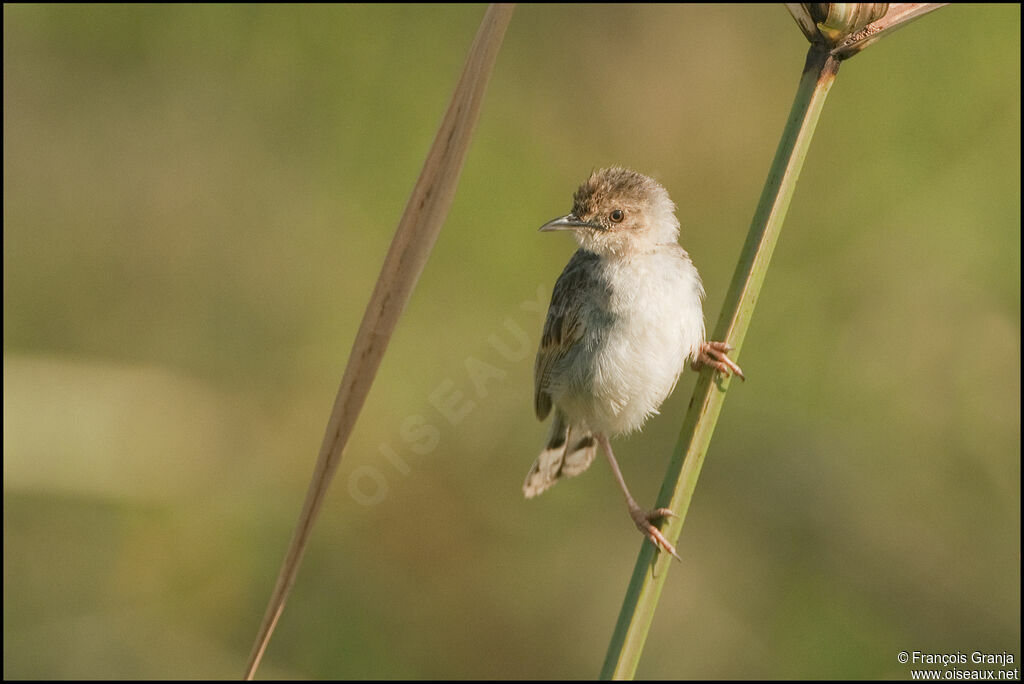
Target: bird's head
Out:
[618,211]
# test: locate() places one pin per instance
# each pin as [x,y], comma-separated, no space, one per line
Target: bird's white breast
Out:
[656,322]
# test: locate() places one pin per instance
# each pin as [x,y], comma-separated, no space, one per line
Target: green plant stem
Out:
[651,568]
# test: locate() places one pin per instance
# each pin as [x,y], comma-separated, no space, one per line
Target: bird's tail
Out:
[569,451]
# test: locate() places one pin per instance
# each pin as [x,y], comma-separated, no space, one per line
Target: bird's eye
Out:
[617,216]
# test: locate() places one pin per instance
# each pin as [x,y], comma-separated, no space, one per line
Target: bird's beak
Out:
[568,222]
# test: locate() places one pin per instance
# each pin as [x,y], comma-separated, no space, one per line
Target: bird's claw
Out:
[644,521]
[715,355]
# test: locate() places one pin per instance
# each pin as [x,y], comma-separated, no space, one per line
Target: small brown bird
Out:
[625,316]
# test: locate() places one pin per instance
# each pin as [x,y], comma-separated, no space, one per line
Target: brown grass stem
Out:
[414,238]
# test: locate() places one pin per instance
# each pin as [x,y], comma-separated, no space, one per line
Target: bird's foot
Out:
[644,521]
[715,354]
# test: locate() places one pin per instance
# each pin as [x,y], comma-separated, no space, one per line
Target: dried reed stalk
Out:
[414,238]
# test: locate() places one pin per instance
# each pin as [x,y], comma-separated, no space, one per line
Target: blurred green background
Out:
[197,200]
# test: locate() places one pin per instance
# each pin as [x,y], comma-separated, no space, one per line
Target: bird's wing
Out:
[564,326]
